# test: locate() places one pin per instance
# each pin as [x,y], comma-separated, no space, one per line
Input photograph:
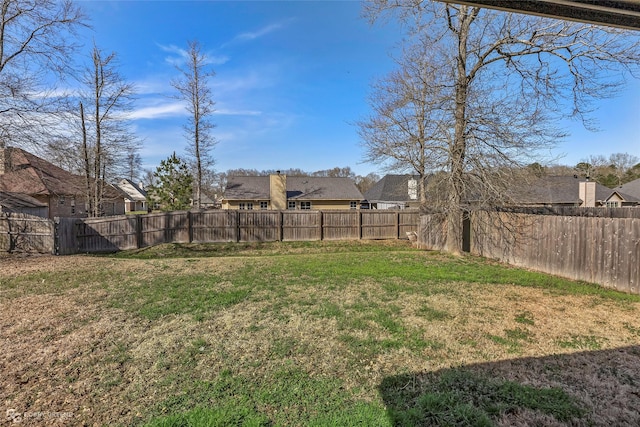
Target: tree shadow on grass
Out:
[595,388]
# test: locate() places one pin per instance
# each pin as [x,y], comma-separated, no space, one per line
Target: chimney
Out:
[4,160]
[587,193]
[278,191]
[412,189]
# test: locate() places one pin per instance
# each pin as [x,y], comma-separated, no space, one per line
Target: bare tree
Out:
[193,88]
[133,163]
[621,163]
[36,41]
[405,130]
[364,183]
[106,137]
[494,87]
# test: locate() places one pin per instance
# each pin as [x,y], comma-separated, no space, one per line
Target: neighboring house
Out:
[135,197]
[61,191]
[207,202]
[22,203]
[550,191]
[631,188]
[394,192]
[280,192]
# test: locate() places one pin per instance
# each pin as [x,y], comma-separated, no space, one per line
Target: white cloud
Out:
[164,110]
[179,56]
[252,35]
[232,112]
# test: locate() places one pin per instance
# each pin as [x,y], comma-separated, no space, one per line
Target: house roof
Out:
[29,174]
[132,191]
[631,188]
[19,201]
[560,190]
[391,188]
[298,188]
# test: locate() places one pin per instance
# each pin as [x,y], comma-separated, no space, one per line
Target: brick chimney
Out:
[278,191]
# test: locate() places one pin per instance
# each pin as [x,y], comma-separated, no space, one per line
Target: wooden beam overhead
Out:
[615,13]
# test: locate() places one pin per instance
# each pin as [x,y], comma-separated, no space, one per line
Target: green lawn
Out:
[313,333]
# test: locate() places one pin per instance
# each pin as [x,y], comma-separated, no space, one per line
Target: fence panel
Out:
[301,226]
[72,235]
[26,233]
[602,250]
[106,234]
[380,224]
[337,225]
[433,232]
[259,226]
[66,241]
[168,227]
[408,221]
[214,226]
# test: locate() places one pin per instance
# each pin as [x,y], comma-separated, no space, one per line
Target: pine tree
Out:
[174,185]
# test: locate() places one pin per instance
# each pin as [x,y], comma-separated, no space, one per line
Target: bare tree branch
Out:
[479,94]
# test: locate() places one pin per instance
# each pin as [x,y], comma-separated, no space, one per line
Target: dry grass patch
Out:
[313,337]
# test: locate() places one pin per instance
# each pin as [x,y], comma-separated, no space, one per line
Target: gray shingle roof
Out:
[391,188]
[631,188]
[560,190]
[298,188]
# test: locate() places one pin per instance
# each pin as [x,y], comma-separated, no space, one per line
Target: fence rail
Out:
[131,232]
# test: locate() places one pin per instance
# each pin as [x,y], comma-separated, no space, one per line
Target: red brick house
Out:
[63,192]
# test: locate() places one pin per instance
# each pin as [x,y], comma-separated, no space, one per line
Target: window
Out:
[291,205]
[241,206]
[61,200]
[305,205]
[612,204]
[73,206]
[264,205]
[250,206]
[353,205]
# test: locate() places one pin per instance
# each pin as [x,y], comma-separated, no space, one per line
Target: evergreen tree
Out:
[174,185]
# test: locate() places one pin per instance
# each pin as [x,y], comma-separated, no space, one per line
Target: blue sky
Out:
[291,78]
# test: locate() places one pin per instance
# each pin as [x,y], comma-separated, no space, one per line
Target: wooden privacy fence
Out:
[600,250]
[132,232]
[26,233]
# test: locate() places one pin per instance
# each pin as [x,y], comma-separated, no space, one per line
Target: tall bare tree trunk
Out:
[87,164]
[458,149]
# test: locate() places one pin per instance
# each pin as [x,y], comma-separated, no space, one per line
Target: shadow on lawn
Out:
[599,388]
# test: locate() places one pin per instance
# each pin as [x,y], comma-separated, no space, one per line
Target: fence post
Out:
[320,225]
[398,225]
[189,227]
[237,212]
[280,226]
[359,216]
[139,231]
[56,237]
